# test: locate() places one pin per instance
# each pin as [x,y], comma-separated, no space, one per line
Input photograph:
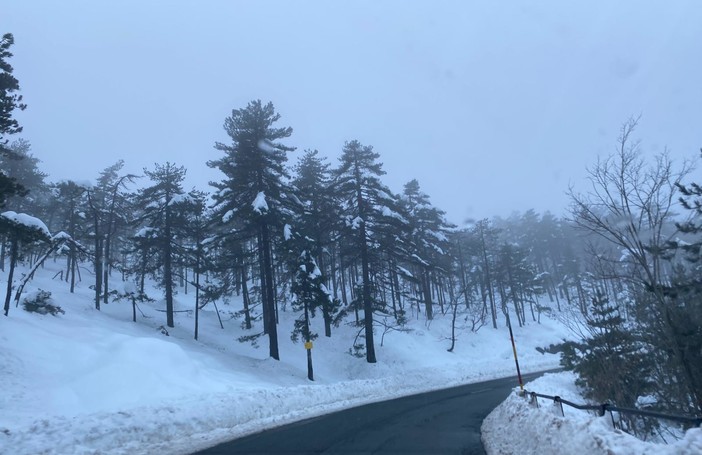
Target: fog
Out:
[493,106]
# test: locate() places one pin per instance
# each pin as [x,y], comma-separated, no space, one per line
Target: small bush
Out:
[40,302]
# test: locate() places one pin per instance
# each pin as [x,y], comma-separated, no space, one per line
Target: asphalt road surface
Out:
[442,422]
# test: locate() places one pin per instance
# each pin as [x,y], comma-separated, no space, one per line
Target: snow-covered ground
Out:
[518,427]
[94,382]
[91,381]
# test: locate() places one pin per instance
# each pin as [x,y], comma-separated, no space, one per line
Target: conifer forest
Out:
[286,230]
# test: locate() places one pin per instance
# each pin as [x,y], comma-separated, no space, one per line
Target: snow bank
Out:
[518,427]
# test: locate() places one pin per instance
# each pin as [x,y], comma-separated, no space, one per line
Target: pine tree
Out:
[35,197]
[486,236]
[72,202]
[9,101]
[253,197]
[612,362]
[22,166]
[163,215]
[318,220]
[19,228]
[367,209]
[428,242]
[195,232]
[517,279]
[107,203]
[308,288]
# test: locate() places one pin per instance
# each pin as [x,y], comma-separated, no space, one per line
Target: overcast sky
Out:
[494,107]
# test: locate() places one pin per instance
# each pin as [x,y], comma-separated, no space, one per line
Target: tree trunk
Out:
[167,272]
[245,294]
[391,277]
[367,303]
[98,271]
[197,287]
[454,309]
[13,262]
[310,370]
[426,291]
[106,267]
[142,276]
[72,261]
[462,268]
[262,284]
[399,293]
[326,310]
[515,299]
[488,279]
[2,253]
[270,291]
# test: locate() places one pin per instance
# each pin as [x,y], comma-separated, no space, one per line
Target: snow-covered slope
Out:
[517,427]
[93,381]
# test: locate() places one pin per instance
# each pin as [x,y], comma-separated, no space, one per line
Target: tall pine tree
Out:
[164,218]
[253,197]
[367,208]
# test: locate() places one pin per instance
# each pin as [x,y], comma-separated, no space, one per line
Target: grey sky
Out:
[492,106]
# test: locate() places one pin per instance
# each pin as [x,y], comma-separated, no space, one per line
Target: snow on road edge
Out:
[518,427]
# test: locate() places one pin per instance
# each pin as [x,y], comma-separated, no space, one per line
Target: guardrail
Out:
[601,409]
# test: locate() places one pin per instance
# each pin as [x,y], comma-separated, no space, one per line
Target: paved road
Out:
[442,422]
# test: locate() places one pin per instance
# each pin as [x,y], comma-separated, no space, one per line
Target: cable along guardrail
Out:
[602,409]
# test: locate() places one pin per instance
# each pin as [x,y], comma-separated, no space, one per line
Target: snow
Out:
[266,146]
[61,236]
[438,236]
[92,381]
[27,221]
[438,249]
[404,271]
[259,204]
[624,256]
[209,240]
[228,216]
[145,232]
[287,232]
[326,291]
[392,214]
[544,430]
[179,199]
[420,260]
[315,273]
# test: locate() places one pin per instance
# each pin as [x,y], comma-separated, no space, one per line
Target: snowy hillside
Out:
[96,382]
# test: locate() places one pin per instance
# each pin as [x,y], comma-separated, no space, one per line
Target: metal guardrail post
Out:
[604,407]
[557,402]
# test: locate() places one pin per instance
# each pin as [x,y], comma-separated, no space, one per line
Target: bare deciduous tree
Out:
[630,205]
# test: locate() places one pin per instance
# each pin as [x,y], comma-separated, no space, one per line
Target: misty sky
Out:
[492,106]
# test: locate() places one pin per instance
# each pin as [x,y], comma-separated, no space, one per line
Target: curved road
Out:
[441,422]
